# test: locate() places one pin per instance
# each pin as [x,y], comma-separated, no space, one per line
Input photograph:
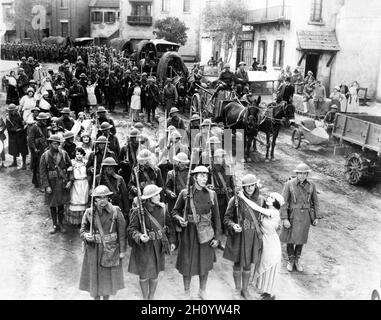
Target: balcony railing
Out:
[268,15]
[140,20]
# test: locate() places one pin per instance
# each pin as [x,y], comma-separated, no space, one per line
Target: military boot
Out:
[290,263]
[144,286]
[152,288]
[298,265]
[237,276]
[245,284]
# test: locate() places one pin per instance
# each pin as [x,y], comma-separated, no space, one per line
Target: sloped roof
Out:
[318,40]
[104,3]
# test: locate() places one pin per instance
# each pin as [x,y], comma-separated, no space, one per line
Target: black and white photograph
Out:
[190,150]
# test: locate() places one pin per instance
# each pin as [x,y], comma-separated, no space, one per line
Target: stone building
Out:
[70,18]
[104,20]
[138,19]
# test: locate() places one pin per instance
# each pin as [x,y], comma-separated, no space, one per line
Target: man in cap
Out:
[196,248]
[101,151]
[244,241]
[76,95]
[102,225]
[116,184]
[255,64]
[66,121]
[242,79]
[300,210]
[102,117]
[148,173]
[113,142]
[17,136]
[126,85]
[329,118]
[175,120]
[22,82]
[152,235]
[286,91]
[170,95]
[226,80]
[68,145]
[54,165]
[37,143]
[152,98]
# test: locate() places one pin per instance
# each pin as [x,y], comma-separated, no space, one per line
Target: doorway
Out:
[312,64]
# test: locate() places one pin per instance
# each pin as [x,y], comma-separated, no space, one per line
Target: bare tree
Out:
[224,22]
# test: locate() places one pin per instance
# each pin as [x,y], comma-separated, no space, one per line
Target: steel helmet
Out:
[181,157]
[101,191]
[220,153]
[171,128]
[173,110]
[138,125]
[206,122]
[214,140]
[195,117]
[54,119]
[242,63]
[175,135]
[65,110]
[227,66]
[12,107]
[302,168]
[54,138]
[249,180]
[101,109]
[43,116]
[68,135]
[105,126]
[134,133]
[150,191]
[30,89]
[109,162]
[144,155]
[101,139]
[200,169]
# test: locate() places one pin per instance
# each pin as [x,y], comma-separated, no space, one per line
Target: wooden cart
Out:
[362,133]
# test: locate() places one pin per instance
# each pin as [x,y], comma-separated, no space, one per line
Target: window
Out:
[64,29]
[118,15]
[109,17]
[316,10]
[262,52]
[63,3]
[164,5]
[186,6]
[141,10]
[96,17]
[278,55]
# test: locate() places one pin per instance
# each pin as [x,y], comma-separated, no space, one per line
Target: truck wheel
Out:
[196,103]
[296,138]
[375,295]
[356,169]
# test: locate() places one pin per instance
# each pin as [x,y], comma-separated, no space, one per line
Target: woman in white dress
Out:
[86,145]
[267,269]
[353,102]
[136,102]
[79,192]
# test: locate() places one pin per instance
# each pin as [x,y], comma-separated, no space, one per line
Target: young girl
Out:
[267,269]
[135,102]
[79,192]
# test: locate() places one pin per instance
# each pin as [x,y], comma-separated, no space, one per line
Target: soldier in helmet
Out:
[152,235]
[115,183]
[300,210]
[113,142]
[54,165]
[101,151]
[175,120]
[69,146]
[244,241]
[37,143]
[66,121]
[196,212]
[104,226]
[170,95]
[101,117]
[193,129]
[148,172]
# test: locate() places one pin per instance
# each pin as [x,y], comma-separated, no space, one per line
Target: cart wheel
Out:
[296,138]
[375,295]
[356,169]
[195,103]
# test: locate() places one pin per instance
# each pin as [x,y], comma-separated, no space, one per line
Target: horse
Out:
[275,116]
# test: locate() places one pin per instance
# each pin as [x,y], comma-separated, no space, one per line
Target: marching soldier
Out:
[101,151]
[54,165]
[153,236]
[101,113]
[37,143]
[170,95]
[193,129]
[244,241]
[175,120]
[103,227]
[300,210]
[69,146]
[65,121]
[196,211]
[113,142]
[115,183]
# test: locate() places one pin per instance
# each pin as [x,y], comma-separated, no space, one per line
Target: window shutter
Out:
[281,53]
[265,53]
[274,53]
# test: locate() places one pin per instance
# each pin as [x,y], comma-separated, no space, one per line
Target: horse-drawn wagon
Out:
[362,135]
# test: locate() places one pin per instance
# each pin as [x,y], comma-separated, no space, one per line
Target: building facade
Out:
[70,18]
[104,20]
[8,26]
[138,18]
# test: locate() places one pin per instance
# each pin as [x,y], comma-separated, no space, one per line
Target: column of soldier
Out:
[178,194]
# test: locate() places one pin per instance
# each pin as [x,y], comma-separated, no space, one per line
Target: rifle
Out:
[92,196]
[140,205]
[188,186]
[235,191]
